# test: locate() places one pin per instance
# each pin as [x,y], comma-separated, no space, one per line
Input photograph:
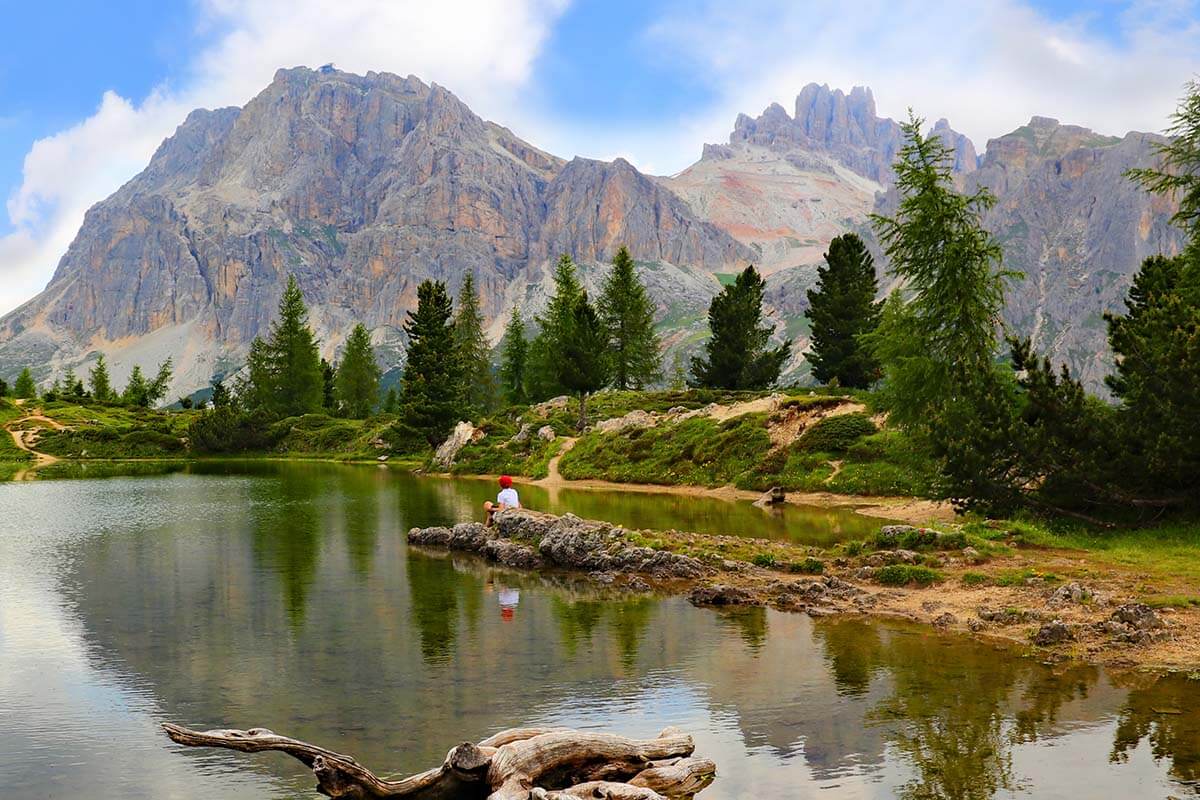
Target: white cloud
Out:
[483,50]
[988,66]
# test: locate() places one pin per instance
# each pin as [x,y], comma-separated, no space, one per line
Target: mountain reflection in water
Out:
[286,597]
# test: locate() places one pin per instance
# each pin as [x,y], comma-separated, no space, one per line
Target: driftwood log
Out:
[517,764]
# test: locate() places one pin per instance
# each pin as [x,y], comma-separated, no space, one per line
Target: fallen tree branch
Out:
[517,764]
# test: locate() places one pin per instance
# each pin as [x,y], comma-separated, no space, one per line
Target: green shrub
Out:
[905,574]
[763,560]
[854,548]
[836,434]
[951,541]
[809,566]
[228,430]
[975,579]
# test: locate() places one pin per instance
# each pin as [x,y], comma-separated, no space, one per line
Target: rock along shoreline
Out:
[1067,621]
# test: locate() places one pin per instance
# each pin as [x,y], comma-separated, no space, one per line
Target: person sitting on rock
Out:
[506,499]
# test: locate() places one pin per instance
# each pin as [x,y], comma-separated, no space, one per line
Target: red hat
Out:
[505,481]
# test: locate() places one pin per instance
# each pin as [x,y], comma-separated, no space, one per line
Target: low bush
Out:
[809,566]
[975,579]
[836,434]
[906,574]
[763,560]
[227,430]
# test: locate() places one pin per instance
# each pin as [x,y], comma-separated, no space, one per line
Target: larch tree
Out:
[736,355]
[473,351]
[842,308]
[431,395]
[628,314]
[357,380]
[514,355]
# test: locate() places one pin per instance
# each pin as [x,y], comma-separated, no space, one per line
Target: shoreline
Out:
[1078,616]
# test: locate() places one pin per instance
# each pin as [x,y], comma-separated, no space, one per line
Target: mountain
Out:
[1066,217]
[363,186]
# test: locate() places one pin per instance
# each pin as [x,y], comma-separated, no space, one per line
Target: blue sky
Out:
[87,89]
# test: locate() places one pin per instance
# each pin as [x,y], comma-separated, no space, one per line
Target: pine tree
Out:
[358,375]
[220,395]
[586,364]
[99,382]
[736,356]
[513,359]
[545,352]
[283,376]
[25,388]
[473,351]
[628,315]
[301,383]
[136,389]
[1179,173]
[329,401]
[391,402]
[3,388]
[842,308]
[431,396]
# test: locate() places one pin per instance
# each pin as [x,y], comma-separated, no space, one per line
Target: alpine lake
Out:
[283,595]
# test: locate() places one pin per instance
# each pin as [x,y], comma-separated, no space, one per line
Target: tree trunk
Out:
[517,764]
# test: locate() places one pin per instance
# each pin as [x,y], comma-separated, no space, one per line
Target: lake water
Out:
[284,596]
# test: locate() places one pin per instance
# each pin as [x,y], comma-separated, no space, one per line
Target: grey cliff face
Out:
[362,186]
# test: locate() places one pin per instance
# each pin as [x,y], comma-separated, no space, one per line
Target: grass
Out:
[498,453]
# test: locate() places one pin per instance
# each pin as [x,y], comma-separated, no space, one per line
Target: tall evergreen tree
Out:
[99,381]
[136,388]
[329,399]
[358,375]
[1178,175]
[300,387]
[25,388]
[628,315]
[3,388]
[473,351]
[736,356]
[842,308]
[941,346]
[513,359]
[545,353]
[283,376]
[586,364]
[431,396]
[391,401]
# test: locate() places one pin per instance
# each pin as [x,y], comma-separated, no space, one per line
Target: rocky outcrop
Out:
[528,539]
[463,434]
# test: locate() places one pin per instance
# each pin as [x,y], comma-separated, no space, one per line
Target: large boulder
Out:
[634,419]
[463,434]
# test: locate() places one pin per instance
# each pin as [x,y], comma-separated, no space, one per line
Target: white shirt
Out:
[508,497]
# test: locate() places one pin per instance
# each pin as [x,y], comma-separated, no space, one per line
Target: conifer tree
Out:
[284,377]
[135,388]
[431,384]
[329,400]
[300,387]
[842,308]
[545,352]
[736,356]
[358,375]
[391,402]
[473,351]
[628,315]
[3,388]
[220,394]
[25,388]
[940,347]
[99,382]
[513,359]
[586,363]
[1178,175]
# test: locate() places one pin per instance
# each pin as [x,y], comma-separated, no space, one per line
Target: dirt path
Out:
[24,439]
[553,477]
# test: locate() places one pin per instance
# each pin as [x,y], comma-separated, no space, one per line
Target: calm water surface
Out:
[284,596]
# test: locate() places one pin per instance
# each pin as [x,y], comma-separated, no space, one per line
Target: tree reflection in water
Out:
[1164,712]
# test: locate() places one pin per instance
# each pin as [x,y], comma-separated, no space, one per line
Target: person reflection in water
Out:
[509,599]
[506,499]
